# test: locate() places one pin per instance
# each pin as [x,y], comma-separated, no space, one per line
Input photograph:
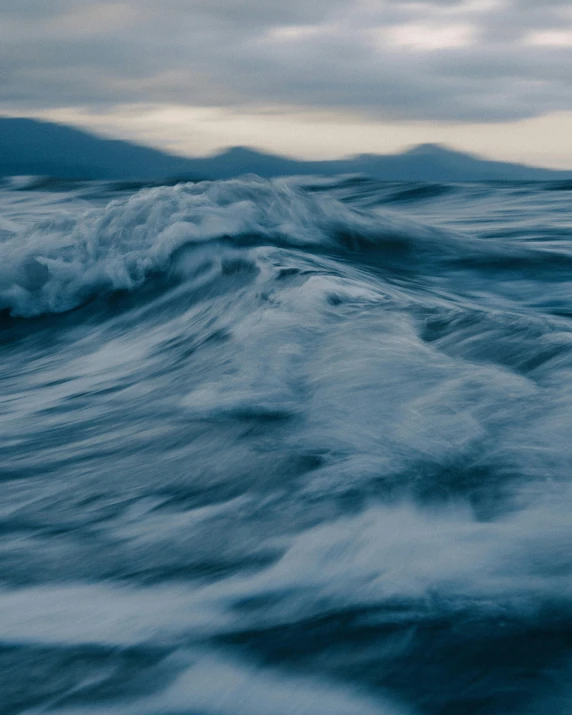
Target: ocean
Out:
[290,447]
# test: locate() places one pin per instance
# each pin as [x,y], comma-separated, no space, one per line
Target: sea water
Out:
[297,447]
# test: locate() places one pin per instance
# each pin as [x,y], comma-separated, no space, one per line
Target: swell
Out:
[59,264]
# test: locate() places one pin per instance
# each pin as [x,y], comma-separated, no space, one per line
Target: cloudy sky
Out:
[316,78]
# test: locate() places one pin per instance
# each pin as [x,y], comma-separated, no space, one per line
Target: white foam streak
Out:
[216,686]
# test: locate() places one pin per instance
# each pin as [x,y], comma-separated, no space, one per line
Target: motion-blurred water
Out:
[291,447]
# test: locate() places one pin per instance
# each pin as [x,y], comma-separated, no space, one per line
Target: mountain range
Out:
[33,147]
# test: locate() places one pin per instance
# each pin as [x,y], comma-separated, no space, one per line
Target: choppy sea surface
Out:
[300,447]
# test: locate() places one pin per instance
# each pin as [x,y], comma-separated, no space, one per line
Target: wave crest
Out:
[59,264]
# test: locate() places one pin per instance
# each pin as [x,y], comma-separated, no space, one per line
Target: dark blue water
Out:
[289,448]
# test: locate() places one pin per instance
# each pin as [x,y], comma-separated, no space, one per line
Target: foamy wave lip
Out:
[57,265]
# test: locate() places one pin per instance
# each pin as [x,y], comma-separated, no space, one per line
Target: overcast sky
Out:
[305,77]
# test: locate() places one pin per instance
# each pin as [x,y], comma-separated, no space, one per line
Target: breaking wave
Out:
[56,265]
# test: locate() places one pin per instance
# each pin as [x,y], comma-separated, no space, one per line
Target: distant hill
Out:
[32,147]
[29,147]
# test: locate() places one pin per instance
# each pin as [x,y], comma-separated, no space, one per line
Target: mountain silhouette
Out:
[32,147]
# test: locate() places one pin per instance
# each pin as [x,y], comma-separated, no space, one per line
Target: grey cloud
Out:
[246,54]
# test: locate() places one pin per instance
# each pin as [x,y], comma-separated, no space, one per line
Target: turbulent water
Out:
[286,448]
